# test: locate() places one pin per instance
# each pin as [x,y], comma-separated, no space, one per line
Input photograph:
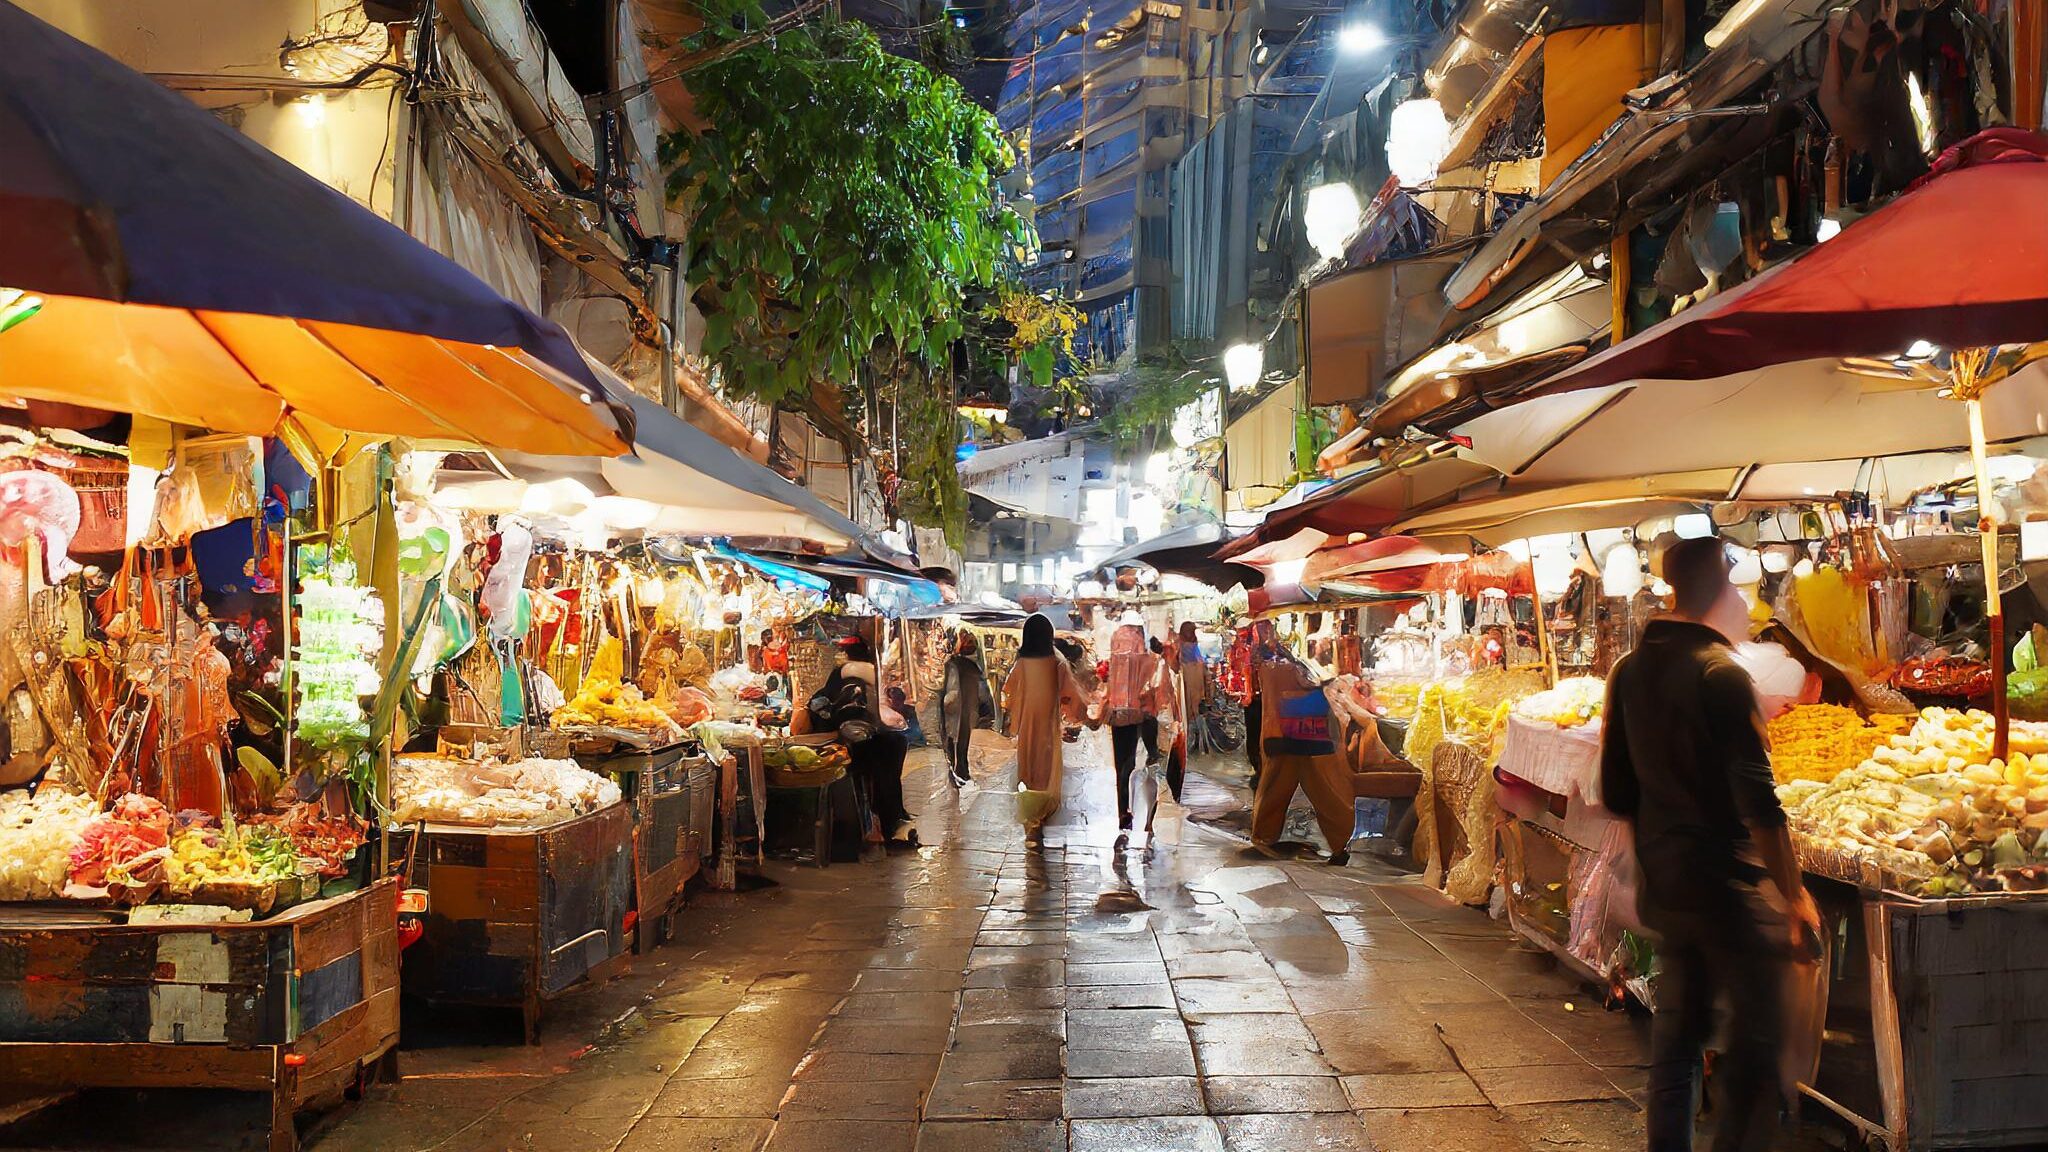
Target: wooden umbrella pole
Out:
[1994,611]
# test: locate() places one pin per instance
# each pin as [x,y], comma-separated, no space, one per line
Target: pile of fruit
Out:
[321,840]
[36,836]
[797,765]
[1931,805]
[121,853]
[208,859]
[1573,702]
[601,703]
[1820,741]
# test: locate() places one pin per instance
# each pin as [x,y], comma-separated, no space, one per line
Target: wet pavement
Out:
[976,994]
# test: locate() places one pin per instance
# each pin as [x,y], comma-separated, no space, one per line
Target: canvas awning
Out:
[1935,265]
[1804,411]
[1189,551]
[690,484]
[1519,511]
[1366,501]
[188,274]
[1361,326]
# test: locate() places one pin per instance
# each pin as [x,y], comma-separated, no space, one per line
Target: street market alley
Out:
[976,995]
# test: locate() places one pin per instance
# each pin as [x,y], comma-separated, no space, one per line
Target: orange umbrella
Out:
[184,272]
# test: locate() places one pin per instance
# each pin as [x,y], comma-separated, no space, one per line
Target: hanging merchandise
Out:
[340,632]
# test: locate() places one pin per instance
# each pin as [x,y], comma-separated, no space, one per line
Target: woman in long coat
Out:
[1039,697]
[960,703]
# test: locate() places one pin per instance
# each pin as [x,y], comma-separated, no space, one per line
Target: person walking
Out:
[960,704]
[1300,751]
[1039,697]
[1172,721]
[1127,709]
[1194,689]
[1684,764]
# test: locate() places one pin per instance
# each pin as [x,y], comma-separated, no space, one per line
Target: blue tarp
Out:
[1056,175]
[1109,267]
[140,196]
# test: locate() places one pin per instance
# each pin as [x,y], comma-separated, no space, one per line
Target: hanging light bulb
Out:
[1418,139]
[1330,217]
[1243,364]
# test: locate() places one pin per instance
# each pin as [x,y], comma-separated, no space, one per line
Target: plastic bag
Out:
[507,577]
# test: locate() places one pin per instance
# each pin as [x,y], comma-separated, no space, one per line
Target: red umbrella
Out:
[1960,260]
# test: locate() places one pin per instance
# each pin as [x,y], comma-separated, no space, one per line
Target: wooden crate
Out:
[515,916]
[301,1006]
[1967,983]
[668,846]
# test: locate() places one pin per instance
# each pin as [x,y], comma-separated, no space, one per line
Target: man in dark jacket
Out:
[1683,761]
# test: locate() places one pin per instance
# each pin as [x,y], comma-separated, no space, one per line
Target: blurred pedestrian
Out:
[849,704]
[960,702]
[1299,743]
[1194,690]
[1127,704]
[1684,763]
[1039,697]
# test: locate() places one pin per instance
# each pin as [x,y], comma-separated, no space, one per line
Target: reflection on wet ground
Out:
[976,994]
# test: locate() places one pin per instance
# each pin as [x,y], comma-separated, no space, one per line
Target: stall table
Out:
[1930,1011]
[670,793]
[516,916]
[302,1006]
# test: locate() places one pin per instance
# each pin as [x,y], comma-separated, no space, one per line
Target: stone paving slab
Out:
[978,996]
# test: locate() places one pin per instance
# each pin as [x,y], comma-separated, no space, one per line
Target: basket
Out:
[816,776]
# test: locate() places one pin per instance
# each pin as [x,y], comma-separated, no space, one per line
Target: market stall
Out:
[192,769]
[1922,845]
[586,650]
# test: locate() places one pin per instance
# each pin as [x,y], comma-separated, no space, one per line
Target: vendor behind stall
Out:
[850,704]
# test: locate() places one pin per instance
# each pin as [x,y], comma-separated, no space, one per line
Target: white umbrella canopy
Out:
[1792,413]
[680,480]
[1494,515]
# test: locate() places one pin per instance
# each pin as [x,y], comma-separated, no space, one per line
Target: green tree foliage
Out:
[1146,399]
[841,199]
[930,493]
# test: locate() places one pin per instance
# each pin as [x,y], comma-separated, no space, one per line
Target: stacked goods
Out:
[121,853]
[604,703]
[236,865]
[529,793]
[322,841]
[1572,703]
[1930,806]
[1397,697]
[1819,742]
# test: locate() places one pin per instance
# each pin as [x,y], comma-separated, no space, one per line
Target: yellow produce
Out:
[1820,741]
[1836,613]
[1930,798]
[607,703]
